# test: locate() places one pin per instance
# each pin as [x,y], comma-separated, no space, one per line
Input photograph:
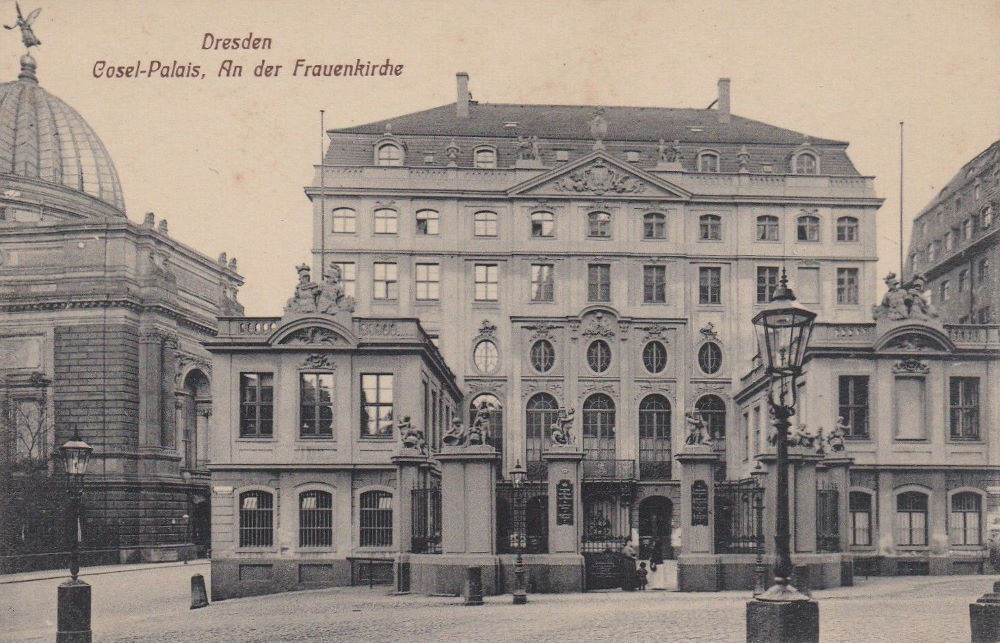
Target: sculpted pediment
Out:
[599,175]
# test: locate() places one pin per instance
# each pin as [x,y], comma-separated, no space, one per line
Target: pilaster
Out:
[565,464]
[468,499]
[697,465]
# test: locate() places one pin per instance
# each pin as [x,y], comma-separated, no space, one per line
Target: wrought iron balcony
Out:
[609,469]
[654,470]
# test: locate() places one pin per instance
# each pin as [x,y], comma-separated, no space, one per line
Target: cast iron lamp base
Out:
[73,612]
[782,613]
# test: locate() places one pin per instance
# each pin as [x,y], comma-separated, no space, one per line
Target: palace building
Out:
[955,243]
[101,333]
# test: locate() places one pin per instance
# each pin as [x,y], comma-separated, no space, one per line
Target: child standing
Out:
[641,576]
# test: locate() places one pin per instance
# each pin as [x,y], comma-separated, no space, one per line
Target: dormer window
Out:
[389,155]
[805,163]
[708,162]
[485,157]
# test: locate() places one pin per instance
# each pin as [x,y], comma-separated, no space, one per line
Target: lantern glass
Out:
[518,474]
[783,330]
[76,455]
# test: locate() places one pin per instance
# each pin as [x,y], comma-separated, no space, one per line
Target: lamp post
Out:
[517,476]
[73,601]
[783,327]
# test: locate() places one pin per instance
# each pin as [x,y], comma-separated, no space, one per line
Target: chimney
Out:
[462,105]
[723,106]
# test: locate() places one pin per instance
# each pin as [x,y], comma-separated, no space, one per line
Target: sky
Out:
[224,160]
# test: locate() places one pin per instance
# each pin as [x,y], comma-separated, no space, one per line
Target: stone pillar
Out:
[839,473]
[150,397]
[168,373]
[565,476]
[468,499]
[802,486]
[697,467]
[411,468]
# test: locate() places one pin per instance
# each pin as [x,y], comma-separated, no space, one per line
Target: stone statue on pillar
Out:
[835,439]
[410,436]
[697,430]
[561,429]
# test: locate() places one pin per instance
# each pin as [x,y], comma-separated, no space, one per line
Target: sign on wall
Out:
[699,503]
[564,502]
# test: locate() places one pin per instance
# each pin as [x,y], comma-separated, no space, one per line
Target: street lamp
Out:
[73,599]
[518,475]
[783,329]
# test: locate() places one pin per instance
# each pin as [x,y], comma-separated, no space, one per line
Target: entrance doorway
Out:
[655,517]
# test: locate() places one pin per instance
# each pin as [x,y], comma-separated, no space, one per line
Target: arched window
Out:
[543,224]
[983,271]
[376,519]
[710,227]
[712,410]
[911,518]
[860,505]
[599,427]
[543,356]
[427,221]
[485,224]
[654,438]
[805,163]
[486,356]
[256,519]
[767,228]
[315,519]
[485,157]
[386,221]
[964,524]
[599,356]
[654,226]
[389,154]
[708,162]
[986,216]
[654,356]
[807,228]
[487,408]
[540,414]
[710,358]
[344,221]
[847,229]
[599,224]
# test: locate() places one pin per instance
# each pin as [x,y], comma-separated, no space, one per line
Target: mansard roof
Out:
[573,122]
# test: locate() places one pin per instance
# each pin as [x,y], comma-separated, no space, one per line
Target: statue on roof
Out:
[331,298]
[668,153]
[919,307]
[28,36]
[904,301]
[523,148]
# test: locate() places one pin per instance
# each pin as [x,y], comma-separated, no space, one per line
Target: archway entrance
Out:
[655,517]
[196,409]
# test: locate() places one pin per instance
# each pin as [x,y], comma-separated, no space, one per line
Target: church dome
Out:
[43,138]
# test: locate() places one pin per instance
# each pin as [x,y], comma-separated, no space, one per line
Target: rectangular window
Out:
[807,285]
[767,228]
[911,519]
[344,221]
[386,221]
[256,405]
[767,281]
[757,444]
[376,405]
[316,404]
[654,284]
[375,529]
[487,282]
[853,404]
[542,282]
[710,227]
[315,519]
[910,400]
[385,281]
[348,276]
[428,281]
[256,519]
[963,524]
[709,285]
[847,286]
[964,406]
[599,282]
[746,436]
[485,224]
[860,505]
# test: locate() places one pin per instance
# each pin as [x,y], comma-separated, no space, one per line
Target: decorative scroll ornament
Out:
[487,329]
[327,297]
[599,327]
[657,331]
[708,330]
[912,343]
[317,360]
[541,331]
[911,365]
[599,178]
[313,335]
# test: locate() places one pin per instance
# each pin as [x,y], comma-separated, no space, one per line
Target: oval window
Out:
[710,358]
[486,356]
[543,356]
[599,356]
[654,357]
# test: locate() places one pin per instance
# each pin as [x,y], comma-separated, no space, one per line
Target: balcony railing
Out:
[609,469]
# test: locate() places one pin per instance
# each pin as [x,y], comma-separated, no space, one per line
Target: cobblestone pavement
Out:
[152,605]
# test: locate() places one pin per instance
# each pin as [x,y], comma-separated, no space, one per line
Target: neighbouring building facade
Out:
[955,243]
[101,331]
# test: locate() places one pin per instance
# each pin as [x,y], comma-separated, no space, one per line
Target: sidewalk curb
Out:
[53,574]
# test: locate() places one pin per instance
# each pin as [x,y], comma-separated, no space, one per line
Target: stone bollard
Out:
[984,617]
[73,612]
[199,597]
[474,586]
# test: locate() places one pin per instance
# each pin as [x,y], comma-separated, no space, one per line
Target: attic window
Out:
[562,155]
[510,124]
[696,129]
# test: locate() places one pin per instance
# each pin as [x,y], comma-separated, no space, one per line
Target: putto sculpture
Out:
[478,433]
[697,430]
[561,429]
[904,301]
[327,297]
[410,436]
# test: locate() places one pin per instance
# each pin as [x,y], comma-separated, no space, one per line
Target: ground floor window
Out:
[861,518]
[911,518]
[965,519]
[315,519]
[376,519]
[256,519]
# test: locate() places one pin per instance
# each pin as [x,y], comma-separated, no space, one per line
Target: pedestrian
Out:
[642,576]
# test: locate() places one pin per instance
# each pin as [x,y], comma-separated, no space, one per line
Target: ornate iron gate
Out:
[827,520]
[738,528]
[426,521]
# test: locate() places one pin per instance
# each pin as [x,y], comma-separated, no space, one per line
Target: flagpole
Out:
[901,199]
[322,201]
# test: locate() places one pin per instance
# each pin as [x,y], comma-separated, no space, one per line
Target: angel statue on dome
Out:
[28,36]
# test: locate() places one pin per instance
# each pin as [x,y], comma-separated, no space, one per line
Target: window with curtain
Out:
[599,427]
[710,227]
[860,505]
[807,228]
[428,222]
[911,519]
[542,282]
[376,405]
[256,405]
[543,224]
[316,405]
[654,226]
[852,391]
[965,520]
[847,229]
[964,407]
[767,228]
[599,225]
